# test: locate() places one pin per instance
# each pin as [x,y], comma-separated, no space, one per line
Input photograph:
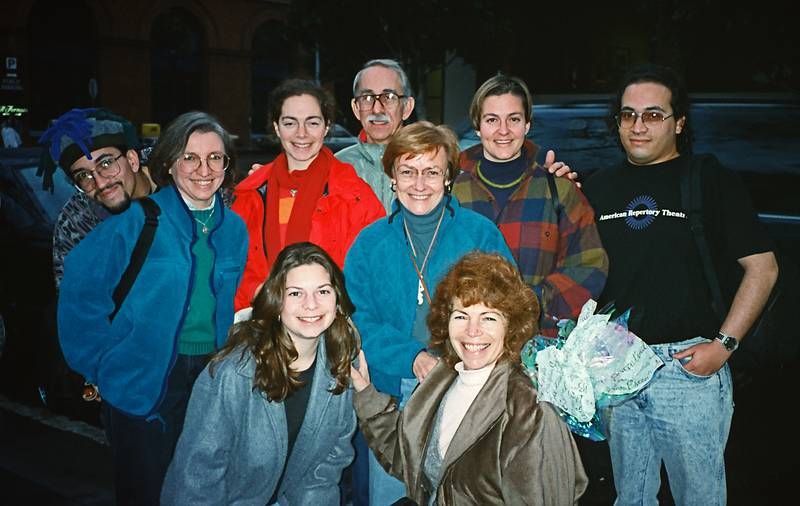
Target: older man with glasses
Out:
[97,150]
[381,101]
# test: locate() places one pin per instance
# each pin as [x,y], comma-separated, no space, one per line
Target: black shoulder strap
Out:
[139,254]
[692,200]
[551,182]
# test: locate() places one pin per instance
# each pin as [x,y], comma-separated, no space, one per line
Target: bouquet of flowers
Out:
[592,365]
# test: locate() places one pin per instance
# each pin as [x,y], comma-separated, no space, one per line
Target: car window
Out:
[339,131]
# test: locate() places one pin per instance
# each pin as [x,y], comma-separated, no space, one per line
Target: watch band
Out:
[729,342]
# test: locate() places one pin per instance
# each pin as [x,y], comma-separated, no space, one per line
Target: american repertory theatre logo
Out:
[642,211]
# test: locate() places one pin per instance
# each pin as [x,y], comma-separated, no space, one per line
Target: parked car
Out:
[339,138]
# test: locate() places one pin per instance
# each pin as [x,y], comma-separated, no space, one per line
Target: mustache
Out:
[378,117]
[109,185]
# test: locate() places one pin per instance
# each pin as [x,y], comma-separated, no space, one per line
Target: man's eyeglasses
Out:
[86,180]
[216,162]
[367,101]
[410,175]
[626,119]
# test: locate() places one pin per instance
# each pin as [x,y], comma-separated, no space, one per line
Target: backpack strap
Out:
[692,200]
[551,182]
[139,254]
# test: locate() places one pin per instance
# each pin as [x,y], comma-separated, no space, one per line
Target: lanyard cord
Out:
[413,253]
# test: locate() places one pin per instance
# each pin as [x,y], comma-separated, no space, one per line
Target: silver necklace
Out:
[422,289]
[204,224]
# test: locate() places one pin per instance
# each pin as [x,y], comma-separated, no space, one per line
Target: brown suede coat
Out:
[509,449]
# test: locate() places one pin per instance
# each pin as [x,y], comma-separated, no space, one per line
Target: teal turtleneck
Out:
[421,229]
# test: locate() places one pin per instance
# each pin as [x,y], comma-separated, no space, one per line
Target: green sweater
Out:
[197,333]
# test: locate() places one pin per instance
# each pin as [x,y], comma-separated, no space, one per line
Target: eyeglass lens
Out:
[387,99]
[216,162]
[412,175]
[86,180]
[627,119]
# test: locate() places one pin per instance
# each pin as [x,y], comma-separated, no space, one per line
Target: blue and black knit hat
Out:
[79,132]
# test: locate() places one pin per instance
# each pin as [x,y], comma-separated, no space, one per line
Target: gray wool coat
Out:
[234,441]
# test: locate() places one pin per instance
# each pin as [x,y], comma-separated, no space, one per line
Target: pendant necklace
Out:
[422,288]
[204,224]
[497,185]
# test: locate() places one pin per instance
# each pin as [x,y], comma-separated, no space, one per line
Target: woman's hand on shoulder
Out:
[560,169]
[360,376]
[424,362]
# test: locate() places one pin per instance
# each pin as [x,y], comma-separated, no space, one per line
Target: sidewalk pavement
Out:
[48,459]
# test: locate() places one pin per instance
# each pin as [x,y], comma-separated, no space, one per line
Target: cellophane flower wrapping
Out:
[594,364]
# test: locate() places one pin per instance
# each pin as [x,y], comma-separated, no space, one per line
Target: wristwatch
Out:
[729,342]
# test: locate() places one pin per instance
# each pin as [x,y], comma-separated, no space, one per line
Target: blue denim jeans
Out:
[681,419]
[384,489]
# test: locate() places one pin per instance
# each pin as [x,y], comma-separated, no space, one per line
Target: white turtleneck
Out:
[458,400]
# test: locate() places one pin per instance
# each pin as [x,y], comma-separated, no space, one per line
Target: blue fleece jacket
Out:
[382,283]
[130,358]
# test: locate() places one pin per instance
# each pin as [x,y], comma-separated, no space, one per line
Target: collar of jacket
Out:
[339,180]
[372,152]
[247,367]
[171,202]
[470,157]
[450,204]
[319,399]
[420,413]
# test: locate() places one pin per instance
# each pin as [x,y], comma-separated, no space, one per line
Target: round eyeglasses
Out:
[85,180]
[407,175]
[216,162]
[366,101]
[626,119]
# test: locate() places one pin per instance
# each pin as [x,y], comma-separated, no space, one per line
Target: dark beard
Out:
[120,207]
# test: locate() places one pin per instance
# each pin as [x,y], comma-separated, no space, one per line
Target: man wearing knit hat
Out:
[97,150]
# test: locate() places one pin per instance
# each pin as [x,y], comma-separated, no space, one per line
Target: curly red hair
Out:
[490,279]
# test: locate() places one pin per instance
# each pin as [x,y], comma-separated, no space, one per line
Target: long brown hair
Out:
[265,338]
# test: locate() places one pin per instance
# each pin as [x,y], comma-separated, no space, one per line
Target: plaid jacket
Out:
[558,251]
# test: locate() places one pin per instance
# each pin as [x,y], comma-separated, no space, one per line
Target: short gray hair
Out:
[173,140]
[389,64]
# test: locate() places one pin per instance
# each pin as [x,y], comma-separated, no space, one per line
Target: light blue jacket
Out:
[367,159]
[130,358]
[382,283]
[234,442]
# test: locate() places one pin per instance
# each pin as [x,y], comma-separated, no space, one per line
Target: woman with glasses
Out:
[145,355]
[547,222]
[396,262]
[271,417]
[305,194]
[474,431]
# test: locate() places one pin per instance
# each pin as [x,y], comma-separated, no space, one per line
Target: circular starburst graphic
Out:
[641,203]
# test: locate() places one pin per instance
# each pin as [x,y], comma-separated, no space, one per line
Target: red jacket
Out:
[347,206]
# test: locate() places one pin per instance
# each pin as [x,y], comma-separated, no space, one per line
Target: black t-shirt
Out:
[655,269]
[295,406]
